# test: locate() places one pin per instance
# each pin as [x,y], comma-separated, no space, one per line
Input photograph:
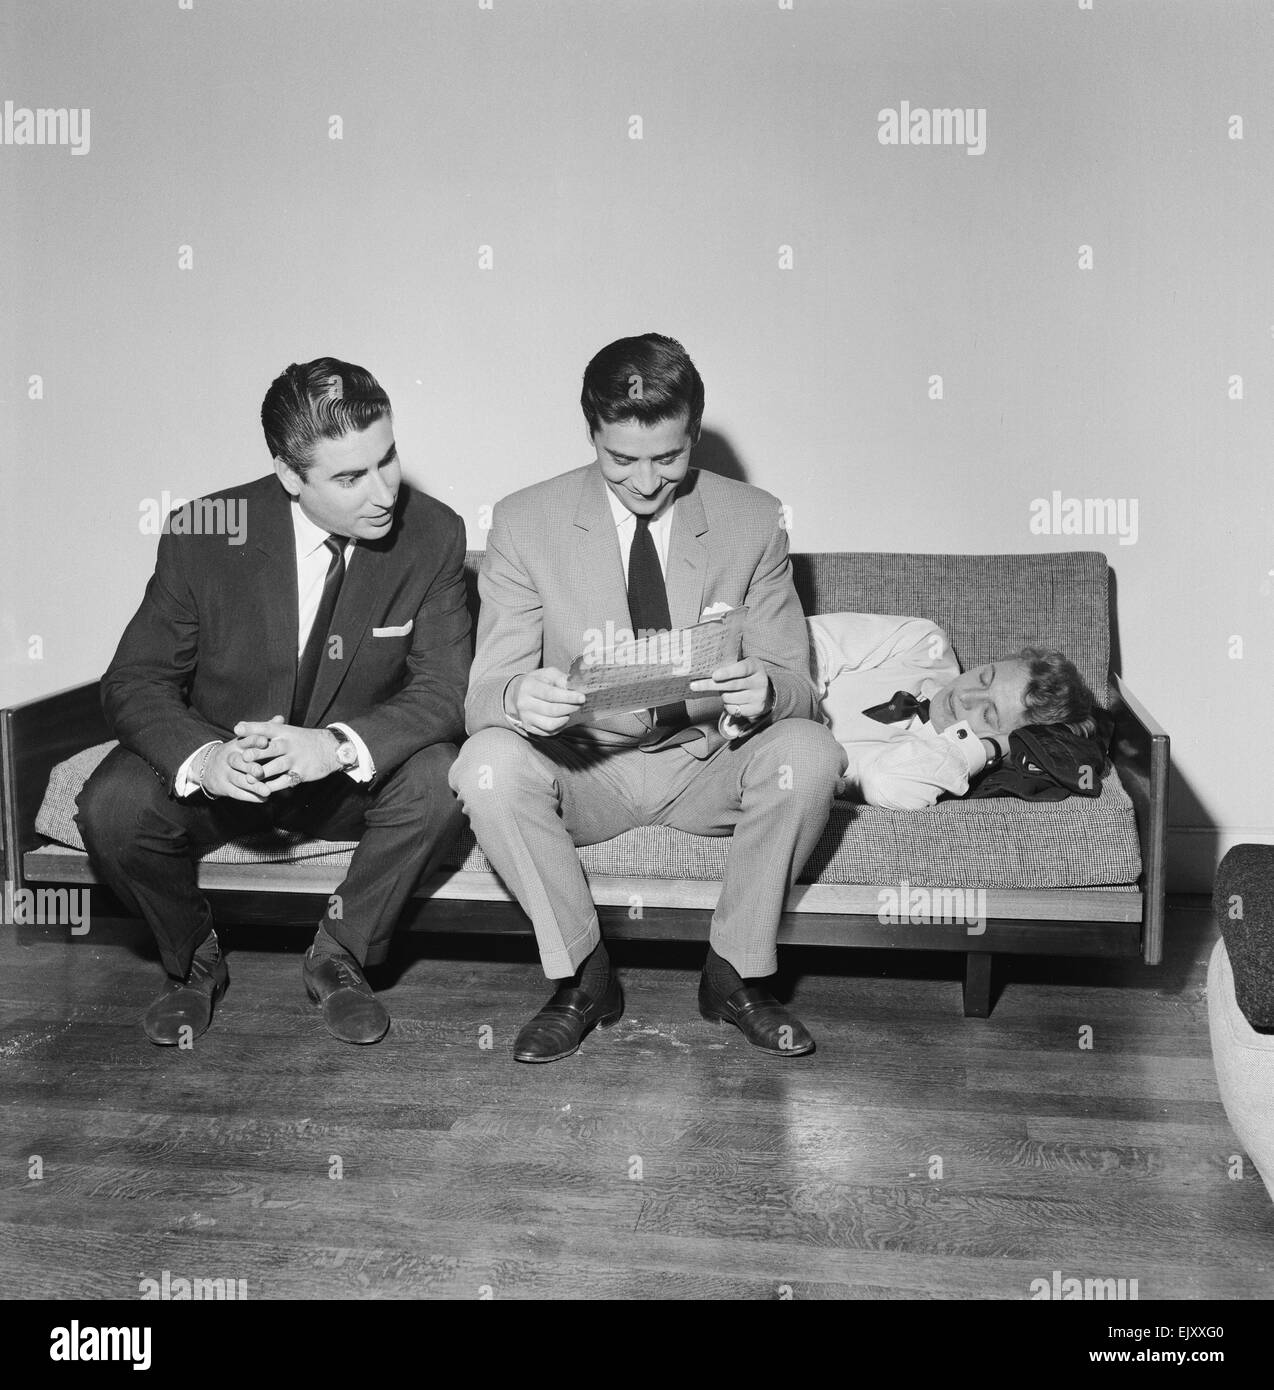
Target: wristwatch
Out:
[346,753]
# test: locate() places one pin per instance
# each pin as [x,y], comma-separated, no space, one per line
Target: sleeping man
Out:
[913,726]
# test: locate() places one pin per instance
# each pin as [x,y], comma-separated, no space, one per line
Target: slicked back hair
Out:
[1055,691]
[323,399]
[649,379]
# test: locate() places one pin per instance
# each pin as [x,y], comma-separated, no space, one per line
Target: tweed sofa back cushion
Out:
[988,605]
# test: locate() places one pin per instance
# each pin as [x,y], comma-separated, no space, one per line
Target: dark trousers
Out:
[144,844]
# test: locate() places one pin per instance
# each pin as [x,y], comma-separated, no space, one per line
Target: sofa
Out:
[1082,876]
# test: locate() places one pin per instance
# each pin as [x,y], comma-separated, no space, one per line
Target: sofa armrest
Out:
[34,738]
[1140,752]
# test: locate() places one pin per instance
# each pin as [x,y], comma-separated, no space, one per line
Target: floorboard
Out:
[917,1154]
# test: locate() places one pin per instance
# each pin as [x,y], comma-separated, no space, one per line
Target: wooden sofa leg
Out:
[977,984]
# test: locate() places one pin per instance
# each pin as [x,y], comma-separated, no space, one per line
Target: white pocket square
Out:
[713,610]
[392,631]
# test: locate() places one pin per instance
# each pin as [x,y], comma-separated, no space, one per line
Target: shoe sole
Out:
[608,1022]
[712,1017]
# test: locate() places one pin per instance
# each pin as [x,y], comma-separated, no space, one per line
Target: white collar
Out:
[622,515]
[308,534]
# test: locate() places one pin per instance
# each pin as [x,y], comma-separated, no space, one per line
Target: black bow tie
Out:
[901,707]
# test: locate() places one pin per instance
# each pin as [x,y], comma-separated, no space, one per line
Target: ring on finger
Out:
[294,777]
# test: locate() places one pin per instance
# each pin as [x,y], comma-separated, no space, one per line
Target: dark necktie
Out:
[901,707]
[648,602]
[307,669]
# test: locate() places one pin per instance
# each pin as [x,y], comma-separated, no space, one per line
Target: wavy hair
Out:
[1055,691]
[323,399]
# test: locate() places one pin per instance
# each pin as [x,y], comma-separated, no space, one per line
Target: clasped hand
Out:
[267,756]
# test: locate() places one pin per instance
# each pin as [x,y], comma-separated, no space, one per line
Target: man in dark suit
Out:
[306,673]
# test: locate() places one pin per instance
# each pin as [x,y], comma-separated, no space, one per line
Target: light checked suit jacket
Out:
[553,574]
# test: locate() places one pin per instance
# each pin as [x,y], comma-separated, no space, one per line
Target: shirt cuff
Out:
[970,747]
[184,784]
[364,770]
[734,726]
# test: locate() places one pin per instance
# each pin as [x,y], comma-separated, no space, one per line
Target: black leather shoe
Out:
[351,1012]
[561,1025]
[759,1017]
[188,1003]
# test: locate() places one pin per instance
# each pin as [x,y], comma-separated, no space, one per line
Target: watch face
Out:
[346,753]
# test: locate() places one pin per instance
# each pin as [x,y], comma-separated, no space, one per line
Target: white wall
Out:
[509,127]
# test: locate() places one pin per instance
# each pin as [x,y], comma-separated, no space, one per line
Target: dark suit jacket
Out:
[552,573]
[215,638]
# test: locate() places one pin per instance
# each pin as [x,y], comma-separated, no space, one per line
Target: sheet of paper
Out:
[620,673]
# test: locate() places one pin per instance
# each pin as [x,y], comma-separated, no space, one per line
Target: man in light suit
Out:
[639,540]
[304,673]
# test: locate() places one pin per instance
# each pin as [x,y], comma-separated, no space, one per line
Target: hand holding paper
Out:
[541,701]
[744,687]
[621,673]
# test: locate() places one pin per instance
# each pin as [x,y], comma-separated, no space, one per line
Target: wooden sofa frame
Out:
[37,735]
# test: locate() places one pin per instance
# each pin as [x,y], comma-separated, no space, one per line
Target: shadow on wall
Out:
[1184,807]
[715,454]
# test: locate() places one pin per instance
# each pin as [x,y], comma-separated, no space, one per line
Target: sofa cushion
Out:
[1000,843]
[56,821]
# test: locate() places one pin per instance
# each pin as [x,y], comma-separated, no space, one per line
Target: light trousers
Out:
[531,801]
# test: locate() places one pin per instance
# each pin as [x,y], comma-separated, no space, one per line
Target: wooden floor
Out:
[667,1159]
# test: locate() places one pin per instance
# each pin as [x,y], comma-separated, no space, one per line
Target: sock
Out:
[723,979]
[209,948]
[593,975]
[325,945]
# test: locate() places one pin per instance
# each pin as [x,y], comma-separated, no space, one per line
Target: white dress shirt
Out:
[858,660]
[312,561]
[626,529]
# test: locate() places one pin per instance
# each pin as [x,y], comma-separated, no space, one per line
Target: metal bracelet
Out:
[203,767]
